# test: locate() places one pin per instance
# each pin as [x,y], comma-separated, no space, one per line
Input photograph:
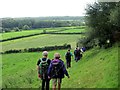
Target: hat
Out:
[45,53]
[56,55]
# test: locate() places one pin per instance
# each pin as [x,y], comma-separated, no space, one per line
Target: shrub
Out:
[47,48]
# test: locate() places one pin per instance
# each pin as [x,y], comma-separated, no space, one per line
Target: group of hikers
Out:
[55,69]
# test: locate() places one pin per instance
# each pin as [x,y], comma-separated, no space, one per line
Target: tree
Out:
[99,22]
[16,29]
[26,27]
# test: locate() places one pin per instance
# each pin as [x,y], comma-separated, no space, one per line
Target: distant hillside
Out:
[28,23]
[54,18]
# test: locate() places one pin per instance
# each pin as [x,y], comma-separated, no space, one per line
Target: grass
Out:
[21,33]
[29,32]
[40,41]
[73,31]
[97,69]
[20,69]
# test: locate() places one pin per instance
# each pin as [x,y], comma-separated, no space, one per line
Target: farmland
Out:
[73,31]
[40,40]
[35,31]
[97,69]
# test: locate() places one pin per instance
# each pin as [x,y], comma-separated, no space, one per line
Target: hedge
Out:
[46,48]
[54,32]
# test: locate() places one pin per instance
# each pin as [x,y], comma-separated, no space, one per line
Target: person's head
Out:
[45,53]
[78,48]
[56,55]
[68,50]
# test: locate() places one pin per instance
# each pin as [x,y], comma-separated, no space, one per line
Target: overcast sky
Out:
[36,8]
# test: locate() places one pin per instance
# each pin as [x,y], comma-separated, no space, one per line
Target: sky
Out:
[37,8]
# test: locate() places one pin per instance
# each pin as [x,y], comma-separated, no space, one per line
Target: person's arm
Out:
[49,70]
[38,62]
[64,70]
[71,53]
[38,68]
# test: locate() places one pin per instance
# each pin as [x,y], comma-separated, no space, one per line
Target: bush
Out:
[47,48]
[87,43]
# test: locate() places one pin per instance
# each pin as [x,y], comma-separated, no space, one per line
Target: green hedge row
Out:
[54,32]
[46,48]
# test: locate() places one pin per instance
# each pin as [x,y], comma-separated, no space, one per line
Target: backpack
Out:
[43,67]
[68,55]
[78,52]
[56,68]
[75,52]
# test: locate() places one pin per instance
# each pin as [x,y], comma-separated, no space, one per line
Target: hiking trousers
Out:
[45,84]
[68,63]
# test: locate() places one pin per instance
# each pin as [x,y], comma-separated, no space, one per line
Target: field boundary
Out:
[14,38]
[46,48]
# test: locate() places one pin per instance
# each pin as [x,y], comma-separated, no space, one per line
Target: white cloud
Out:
[35,8]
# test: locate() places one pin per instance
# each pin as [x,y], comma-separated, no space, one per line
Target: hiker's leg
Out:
[43,84]
[59,83]
[76,58]
[54,83]
[70,63]
[67,63]
[47,84]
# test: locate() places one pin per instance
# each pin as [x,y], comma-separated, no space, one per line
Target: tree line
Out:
[28,23]
[103,22]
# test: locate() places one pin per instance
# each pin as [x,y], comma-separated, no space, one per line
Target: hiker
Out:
[83,49]
[42,66]
[79,54]
[68,58]
[75,54]
[56,71]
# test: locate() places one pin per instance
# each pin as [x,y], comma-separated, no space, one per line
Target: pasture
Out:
[35,31]
[94,70]
[98,68]
[40,41]
[73,31]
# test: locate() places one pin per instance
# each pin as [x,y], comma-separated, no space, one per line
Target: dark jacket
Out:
[68,55]
[48,61]
[62,70]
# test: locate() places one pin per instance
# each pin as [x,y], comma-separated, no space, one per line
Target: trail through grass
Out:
[98,68]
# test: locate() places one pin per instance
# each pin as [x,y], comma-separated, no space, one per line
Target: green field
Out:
[97,69]
[29,32]
[41,41]
[73,31]
[21,33]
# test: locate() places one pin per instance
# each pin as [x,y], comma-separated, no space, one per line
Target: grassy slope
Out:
[97,69]
[40,41]
[20,69]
